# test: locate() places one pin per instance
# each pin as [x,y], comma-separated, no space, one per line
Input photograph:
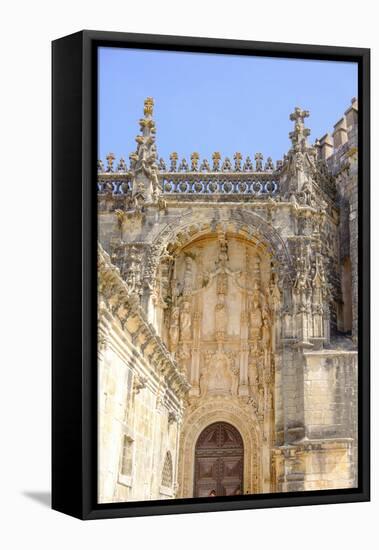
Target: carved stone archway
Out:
[189,226]
[220,410]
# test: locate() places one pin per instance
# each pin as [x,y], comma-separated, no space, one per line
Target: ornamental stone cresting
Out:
[227,319]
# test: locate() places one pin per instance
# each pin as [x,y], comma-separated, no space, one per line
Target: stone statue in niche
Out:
[255,319]
[204,378]
[185,321]
[268,399]
[266,334]
[174,328]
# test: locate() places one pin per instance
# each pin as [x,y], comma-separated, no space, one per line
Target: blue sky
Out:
[209,102]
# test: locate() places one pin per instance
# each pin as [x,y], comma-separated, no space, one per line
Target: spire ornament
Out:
[173,161]
[148,107]
[216,157]
[195,162]
[144,168]
[299,165]
[110,160]
[121,167]
[258,162]
[300,134]
[237,161]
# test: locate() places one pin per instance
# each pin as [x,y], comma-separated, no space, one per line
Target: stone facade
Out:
[228,294]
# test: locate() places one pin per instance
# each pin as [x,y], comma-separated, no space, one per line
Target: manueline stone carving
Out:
[185,321]
[222,285]
[174,328]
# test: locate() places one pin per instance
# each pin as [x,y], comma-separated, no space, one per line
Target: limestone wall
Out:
[140,404]
[330,400]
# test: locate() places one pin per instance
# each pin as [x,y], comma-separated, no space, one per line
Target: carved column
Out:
[195,362]
[243,388]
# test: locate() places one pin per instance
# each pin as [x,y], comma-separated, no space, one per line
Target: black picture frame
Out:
[74,366]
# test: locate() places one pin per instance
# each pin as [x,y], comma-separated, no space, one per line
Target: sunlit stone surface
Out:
[228,297]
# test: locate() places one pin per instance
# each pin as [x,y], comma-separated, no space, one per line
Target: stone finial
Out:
[258,162]
[298,115]
[144,167]
[237,161]
[204,167]
[121,167]
[195,162]
[148,107]
[100,166]
[216,157]
[248,165]
[183,166]
[269,166]
[300,133]
[174,161]
[226,165]
[110,160]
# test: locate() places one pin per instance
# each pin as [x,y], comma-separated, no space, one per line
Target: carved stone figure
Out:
[266,334]
[187,286]
[216,157]
[185,321]
[133,274]
[255,320]
[174,328]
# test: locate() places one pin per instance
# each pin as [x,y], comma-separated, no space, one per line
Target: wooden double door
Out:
[219,461]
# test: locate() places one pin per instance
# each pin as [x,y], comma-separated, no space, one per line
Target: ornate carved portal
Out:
[220,298]
[219,461]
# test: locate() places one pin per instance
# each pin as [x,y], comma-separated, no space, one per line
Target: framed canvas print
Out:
[210,274]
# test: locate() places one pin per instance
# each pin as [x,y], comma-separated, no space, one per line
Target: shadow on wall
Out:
[41,497]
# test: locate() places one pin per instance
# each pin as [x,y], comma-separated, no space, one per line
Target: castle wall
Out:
[343,164]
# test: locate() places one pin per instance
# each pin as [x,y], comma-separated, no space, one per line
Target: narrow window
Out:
[167,471]
[127,456]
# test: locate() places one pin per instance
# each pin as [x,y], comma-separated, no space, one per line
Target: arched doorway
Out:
[219,461]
